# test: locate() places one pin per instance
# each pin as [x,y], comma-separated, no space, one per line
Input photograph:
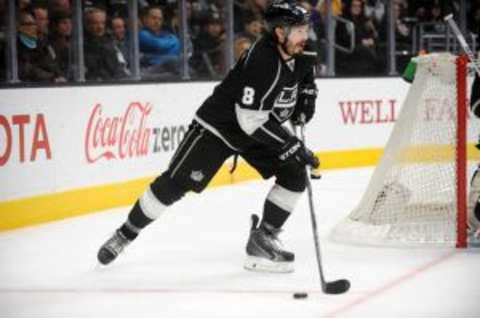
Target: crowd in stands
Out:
[44,35]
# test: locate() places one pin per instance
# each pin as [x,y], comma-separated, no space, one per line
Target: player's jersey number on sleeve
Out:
[248,95]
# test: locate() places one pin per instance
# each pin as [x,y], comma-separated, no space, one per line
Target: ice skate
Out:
[112,248]
[473,224]
[473,236]
[265,252]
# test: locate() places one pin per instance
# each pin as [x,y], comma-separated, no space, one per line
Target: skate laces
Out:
[271,235]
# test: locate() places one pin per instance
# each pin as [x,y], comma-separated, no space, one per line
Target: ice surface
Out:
[189,264]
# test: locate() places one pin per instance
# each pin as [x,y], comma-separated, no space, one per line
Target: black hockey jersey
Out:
[475,96]
[260,93]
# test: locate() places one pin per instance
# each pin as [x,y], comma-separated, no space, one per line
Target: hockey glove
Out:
[295,151]
[305,107]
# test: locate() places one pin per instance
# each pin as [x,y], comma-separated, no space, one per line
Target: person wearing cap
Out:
[208,48]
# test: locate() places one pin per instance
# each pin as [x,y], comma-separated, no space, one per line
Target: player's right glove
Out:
[305,107]
[295,151]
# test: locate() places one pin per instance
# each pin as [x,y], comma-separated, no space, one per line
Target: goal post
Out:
[461,151]
[417,195]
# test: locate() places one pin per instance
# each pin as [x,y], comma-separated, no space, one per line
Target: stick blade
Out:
[337,287]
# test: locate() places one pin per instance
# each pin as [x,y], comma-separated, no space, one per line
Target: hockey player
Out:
[270,84]
[474,195]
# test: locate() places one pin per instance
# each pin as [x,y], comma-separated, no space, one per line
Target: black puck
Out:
[300,295]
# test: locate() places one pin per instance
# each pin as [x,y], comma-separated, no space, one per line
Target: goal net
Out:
[417,193]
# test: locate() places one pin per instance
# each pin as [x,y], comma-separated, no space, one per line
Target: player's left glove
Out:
[305,107]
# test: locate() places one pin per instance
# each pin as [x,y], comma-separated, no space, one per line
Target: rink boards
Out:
[74,150]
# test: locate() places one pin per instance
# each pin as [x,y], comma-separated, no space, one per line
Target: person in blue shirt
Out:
[160,49]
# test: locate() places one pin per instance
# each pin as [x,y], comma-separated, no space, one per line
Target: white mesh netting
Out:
[411,197]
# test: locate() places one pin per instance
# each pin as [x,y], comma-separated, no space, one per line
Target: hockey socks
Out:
[273,216]
[137,220]
[162,193]
[279,204]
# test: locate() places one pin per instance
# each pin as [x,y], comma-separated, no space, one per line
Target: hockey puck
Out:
[300,295]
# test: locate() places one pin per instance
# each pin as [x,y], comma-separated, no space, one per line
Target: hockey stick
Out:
[461,39]
[338,286]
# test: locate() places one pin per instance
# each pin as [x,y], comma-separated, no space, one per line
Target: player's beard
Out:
[295,49]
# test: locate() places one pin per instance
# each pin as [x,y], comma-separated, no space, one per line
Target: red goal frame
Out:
[461,153]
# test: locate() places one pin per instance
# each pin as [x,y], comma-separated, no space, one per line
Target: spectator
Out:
[174,24]
[41,18]
[55,6]
[430,11]
[319,18]
[196,14]
[23,5]
[2,20]
[59,41]
[253,28]
[208,48]
[119,32]
[160,48]
[337,8]
[118,8]
[436,18]
[241,45]
[193,27]
[35,64]
[3,47]
[474,18]
[420,10]
[363,60]
[313,37]
[404,4]
[375,10]
[244,10]
[402,30]
[102,60]
[402,36]
[3,68]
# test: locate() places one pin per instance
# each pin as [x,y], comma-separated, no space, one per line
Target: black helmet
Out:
[285,13]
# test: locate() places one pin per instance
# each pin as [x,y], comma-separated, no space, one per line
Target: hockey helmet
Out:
[285,13]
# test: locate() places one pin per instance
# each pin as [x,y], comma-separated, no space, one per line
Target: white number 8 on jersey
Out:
[248,95]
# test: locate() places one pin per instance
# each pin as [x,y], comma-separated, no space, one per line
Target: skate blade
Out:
[259,264]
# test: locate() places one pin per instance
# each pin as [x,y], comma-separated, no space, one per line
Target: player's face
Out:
[297,39]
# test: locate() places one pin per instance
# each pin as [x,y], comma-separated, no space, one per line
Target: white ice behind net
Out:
[411,197]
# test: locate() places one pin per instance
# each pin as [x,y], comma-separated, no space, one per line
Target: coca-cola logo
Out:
[118,137]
